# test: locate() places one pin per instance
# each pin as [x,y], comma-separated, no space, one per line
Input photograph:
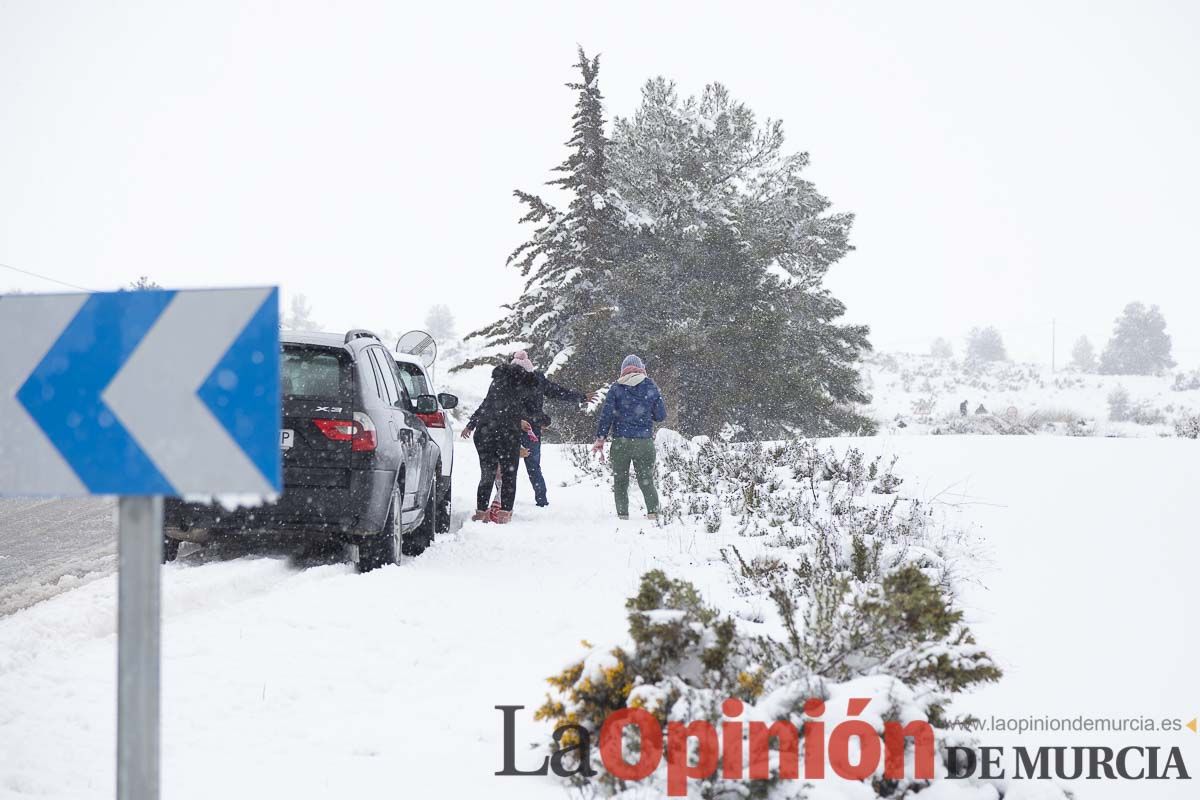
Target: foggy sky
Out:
[1009,164]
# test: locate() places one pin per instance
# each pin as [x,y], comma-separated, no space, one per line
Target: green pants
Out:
[639,452]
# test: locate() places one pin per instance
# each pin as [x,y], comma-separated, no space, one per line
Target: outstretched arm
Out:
[558,392]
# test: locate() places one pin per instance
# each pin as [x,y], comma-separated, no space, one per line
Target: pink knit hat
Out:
[522,358]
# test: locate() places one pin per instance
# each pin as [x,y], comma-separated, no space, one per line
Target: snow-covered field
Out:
[917,394]
[298,681]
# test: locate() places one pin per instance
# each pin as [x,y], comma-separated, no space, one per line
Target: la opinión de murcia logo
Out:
[724,750]
[697,750]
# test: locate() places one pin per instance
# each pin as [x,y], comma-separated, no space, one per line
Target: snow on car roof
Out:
[329,339]
[313,337]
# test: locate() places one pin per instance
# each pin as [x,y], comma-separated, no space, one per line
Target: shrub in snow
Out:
[1188,426]
[862,586]
[587,466]
[983,424]
[1186,381]
[1050,415]
[922,407]
[1122,408]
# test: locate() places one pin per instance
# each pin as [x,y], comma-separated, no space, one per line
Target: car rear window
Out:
[310,372]
[414,379]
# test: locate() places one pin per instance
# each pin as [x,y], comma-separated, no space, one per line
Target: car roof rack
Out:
[359,333]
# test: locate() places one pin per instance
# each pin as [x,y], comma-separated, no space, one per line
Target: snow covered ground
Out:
[51,546]
[925,392]
[306,680]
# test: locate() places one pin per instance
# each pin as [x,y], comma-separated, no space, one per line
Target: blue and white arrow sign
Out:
[140,393]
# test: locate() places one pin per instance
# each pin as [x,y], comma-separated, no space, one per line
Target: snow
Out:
[900,383]
[50,546]
[302,680]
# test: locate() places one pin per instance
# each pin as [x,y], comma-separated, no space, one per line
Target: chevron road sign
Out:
[140,393]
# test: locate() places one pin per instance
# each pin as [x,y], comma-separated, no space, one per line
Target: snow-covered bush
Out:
[862,586]
[1188,426]
[1051,415]
[983,424]
[1066,421]
[587,466]
[1123,408]
[1186,381]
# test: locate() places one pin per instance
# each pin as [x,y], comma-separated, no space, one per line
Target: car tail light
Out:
[435,420]
[364,440]
[360,431]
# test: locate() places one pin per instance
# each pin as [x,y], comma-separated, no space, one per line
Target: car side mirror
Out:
[448,401]
[425,404]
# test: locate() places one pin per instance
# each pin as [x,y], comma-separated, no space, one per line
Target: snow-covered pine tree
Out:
[439,322]
[144,284]
[299,317]
[1083,355]
[692,239]
[941,348]
[568,259]
[1139,345]
[720,286]
[984,345]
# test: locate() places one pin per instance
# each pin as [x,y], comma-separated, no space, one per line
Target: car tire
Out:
[443,493]
[422,537]
[384,547]
[170,550]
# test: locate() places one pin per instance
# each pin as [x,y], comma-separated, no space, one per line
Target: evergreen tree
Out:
[984,345]
[720,286]
[1139,344]
[1083,355]
[941,348]
[692,239]
[299,317]
[439,323]
[143,284]
[567,262]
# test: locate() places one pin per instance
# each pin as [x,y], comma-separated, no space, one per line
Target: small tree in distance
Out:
[985,345]
[299,316]
[439,323]
[1139,344]
[1083,355]
[941,348]
[144,283]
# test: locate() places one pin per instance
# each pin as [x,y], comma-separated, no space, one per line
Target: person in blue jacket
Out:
[631,408]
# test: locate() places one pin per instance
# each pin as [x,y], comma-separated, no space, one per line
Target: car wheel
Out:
[443,493]
[170,550]
[416,542]
[384,547]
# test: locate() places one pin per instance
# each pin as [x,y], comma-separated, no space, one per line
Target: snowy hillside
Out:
[306,680]
[918,394]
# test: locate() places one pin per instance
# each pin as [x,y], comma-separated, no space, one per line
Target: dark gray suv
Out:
[359,466]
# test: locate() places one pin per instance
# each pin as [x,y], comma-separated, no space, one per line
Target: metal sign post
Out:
[143,395]
[139,618]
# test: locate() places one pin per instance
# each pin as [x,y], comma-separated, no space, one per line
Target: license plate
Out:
[286,438]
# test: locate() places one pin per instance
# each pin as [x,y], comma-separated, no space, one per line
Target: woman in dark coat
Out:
[498,424]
